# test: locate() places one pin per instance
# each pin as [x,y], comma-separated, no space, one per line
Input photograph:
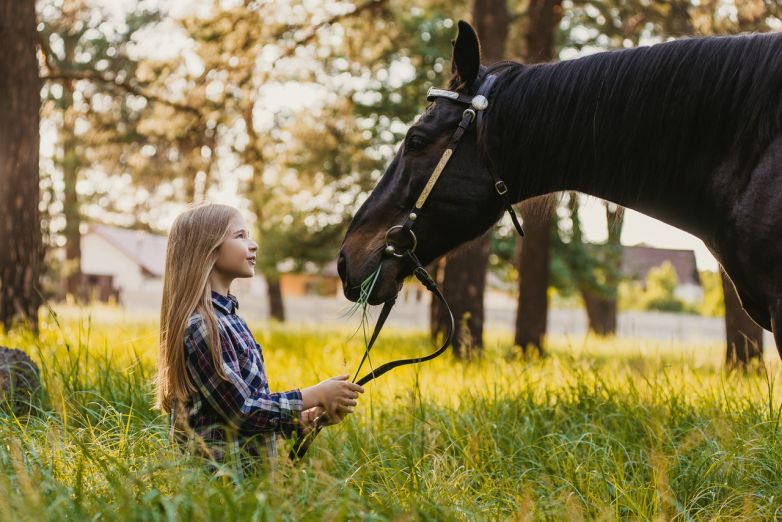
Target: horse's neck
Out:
[681,208]
[682,199]
[643,150]
[684,209]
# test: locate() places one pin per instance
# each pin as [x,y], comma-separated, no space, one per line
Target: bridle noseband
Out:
[476,105]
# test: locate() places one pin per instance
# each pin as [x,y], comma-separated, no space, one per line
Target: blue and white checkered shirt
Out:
[237,417]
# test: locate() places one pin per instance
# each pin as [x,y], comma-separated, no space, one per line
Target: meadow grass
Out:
[599,429]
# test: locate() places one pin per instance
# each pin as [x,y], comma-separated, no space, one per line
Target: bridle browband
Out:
[476,105]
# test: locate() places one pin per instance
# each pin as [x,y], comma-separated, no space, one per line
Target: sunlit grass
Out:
[622,428]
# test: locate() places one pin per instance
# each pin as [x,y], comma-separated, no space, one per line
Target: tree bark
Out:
[463,285]
[276,306]
[601,313]
[601,307]
[744,336]
[534,264]
[544,17]
[21,249]
[257,193]
[491,20]
[70,171]
[70,162]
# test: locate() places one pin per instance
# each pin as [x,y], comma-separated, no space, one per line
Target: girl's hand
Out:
[319,415]
[337,396]
[310,416]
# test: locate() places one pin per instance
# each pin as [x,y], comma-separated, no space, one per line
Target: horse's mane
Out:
[645,117]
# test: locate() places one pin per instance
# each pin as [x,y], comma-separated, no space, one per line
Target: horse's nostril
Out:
[342,267]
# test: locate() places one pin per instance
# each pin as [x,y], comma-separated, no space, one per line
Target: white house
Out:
[132,262]
[133,258]
[639,259]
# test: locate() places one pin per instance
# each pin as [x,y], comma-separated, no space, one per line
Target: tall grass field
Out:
[600,429]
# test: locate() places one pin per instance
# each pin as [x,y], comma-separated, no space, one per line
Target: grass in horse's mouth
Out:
[363,303]
[366,290]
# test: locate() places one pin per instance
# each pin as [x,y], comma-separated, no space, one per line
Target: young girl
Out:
[211,375]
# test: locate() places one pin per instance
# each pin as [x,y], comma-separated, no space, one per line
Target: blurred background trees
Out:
[298,107]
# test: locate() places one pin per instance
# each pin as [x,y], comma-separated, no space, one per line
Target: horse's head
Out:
[460,207]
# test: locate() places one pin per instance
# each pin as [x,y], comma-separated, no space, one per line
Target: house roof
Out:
[146,249]
[638,260]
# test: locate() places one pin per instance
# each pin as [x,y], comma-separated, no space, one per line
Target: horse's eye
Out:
[416,142]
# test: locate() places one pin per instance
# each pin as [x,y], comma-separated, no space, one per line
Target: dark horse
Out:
[687,131]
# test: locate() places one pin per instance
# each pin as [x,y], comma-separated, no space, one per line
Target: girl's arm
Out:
[243,408]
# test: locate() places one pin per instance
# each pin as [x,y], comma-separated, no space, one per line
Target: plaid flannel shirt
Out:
[240,417]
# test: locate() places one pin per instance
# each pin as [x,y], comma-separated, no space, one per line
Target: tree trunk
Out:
[744,336]
[601,307]
[70,163]
[436,324]
[259,196]
[615,218]
[20,237]
[534,269]
[276,307]
[543,19]
[601,313]
[491,20]
[463,285]
[534,259]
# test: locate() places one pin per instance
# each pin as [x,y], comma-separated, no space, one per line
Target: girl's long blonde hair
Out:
[191,254]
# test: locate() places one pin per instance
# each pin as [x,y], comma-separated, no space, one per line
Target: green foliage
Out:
[174,128]
[657,292]
[713,304]
[502,256]
[627,23]
[578,266]
[90,109]
[661,284]
[311,167]
[631,295]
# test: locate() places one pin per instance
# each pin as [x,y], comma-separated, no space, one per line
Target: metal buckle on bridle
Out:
[501,187]
[391,249]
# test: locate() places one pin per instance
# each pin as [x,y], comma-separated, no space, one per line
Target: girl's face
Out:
[236,255]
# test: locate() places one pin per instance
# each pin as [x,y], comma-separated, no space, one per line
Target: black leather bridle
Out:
[474,111]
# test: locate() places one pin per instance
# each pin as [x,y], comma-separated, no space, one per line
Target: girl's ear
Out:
[466,57]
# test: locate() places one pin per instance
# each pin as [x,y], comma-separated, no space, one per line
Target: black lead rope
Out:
[302,444]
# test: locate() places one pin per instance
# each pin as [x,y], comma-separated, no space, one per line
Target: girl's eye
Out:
[416,142]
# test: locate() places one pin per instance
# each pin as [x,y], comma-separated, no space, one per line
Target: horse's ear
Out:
[466,59]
